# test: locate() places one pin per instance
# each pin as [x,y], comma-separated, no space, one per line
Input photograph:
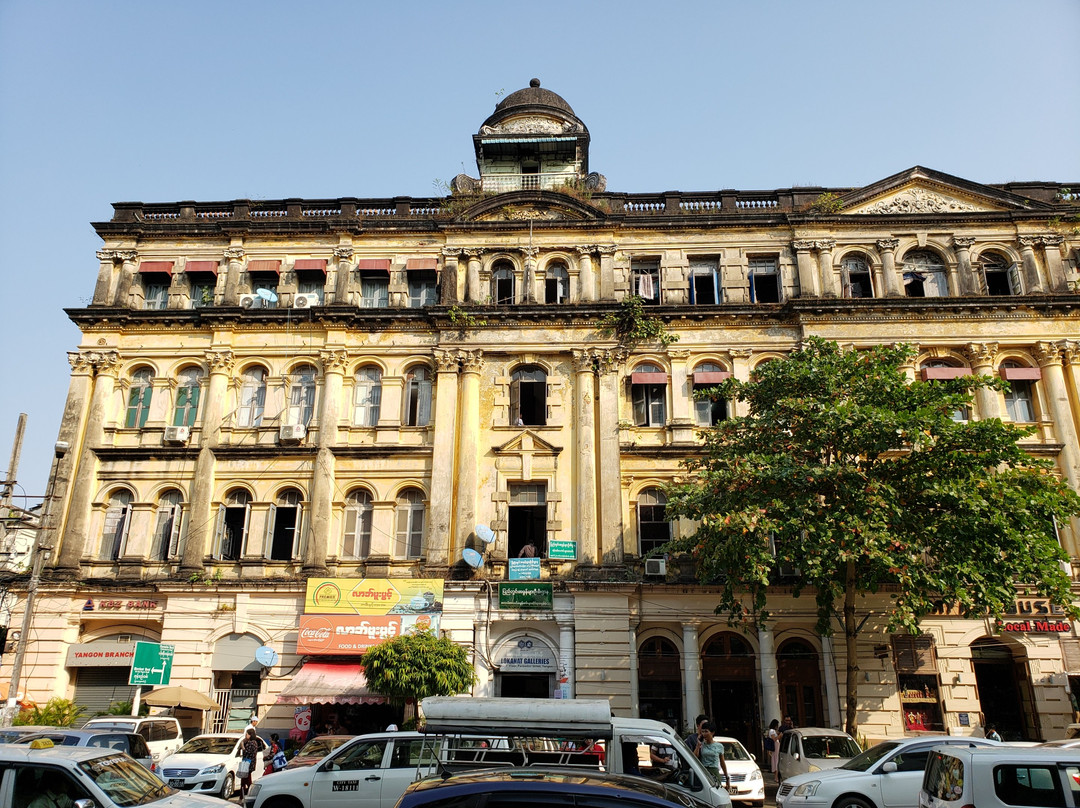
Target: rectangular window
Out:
[764,280]
[374,290]
[156,291]
[310,282]
[650,404]
[645,279]
[705,286]
[423,288]
[527,521]
[203,285]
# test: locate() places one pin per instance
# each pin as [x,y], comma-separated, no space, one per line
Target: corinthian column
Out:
[1055,270]
[468,445]
[472,277]
[966,283]
[981,356]
[103,291]
[585,457]
[448,282]
[442,456]
[1048,355]
[1032,277]
[828,277]
[343,279]
[607,272]
[72,431]
[586,276]
[235,256]
[127,275]
[610,470]
[887,246]
[530,254]
[322,482]
[809,285]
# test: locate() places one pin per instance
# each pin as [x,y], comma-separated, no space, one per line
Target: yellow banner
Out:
[374,596]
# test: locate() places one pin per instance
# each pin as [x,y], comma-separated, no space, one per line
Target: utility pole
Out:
[13,466]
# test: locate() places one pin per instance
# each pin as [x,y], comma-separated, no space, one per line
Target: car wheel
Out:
[852,802]
[227,787]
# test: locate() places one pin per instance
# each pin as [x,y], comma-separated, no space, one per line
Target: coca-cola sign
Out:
[354,634]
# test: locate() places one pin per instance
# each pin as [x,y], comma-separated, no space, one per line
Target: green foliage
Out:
[415,666]
[630,326]
[57,712]
[464,321]
[124,708]
[863,480]
[827,203]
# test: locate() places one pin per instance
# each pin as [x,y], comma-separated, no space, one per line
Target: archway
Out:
[799,676]
[729,670]
[1003,682]
[660,682]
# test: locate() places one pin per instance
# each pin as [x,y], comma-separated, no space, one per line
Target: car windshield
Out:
[320,747]
[124,781]
[829,746]
[209,745]
[733,750]
[864,760]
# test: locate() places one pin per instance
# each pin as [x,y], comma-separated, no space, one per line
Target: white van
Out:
[1001,776]
[161,732]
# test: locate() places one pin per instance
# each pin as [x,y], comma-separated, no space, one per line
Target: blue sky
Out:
[102,102]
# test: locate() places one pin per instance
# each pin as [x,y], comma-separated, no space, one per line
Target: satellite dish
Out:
[267,295]
[266,656]
[485,534]
[472,558]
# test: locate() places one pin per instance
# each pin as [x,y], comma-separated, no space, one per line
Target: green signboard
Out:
[562,549]
[522,595]
[152,664]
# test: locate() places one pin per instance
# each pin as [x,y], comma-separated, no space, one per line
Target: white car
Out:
[747,784]
[208,764]
[812,749]
[888,775]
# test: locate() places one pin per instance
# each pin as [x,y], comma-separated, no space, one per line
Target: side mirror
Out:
[84,804]
[888,768]
[796,755]
[329,766]
[753,756]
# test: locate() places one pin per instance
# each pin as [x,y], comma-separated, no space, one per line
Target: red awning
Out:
[930,374]
[264,265]
[374,263]
[648,378]
[329,683]
[318,264]
[711,377]
[201,266]
[156,266]
[422,263]
[1021,374]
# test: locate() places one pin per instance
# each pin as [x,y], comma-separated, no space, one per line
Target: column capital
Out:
[678,353]
[234,253]
[1030,242]
[963,242]
[530,252]
[803,245]
[80,362]
[610,359]
[104,363]
[472,361]
[334,361]
[1070,352]
[446,361]
[585,251]
[220,361]
[888,244]
[825,244]
[473,252]
[117,255]
[606,249]
[451,252]
[1046,353]
[981,353]
[343,252]
[584,361]
[1051,240]
[740,353]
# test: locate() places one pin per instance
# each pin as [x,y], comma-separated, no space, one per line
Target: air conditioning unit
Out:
[177,434]
[305,301]
[250,302]
[656,566]
[292,432]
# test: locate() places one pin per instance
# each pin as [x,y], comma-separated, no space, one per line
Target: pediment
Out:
[524,206]
[527,441]
[924,191]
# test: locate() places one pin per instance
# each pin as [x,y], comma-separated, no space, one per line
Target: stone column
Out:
[485,680]
[567,664]
[825,267]
[235,256]
[967,283]
[343,278]
[809,286]
[586,276]
[692,697]
[105,365]
[1049,357]
[529,294]
[473,293]
[607,272]
[103,290]
[323,477]
[72,432]
[832,690]
[585,456]
[201,520]
[472,363]
[893,286]
[981,356]
[634,673]
[127,275]
[1070,360]
[1032,277]
[740,369]
[448,281]
[442,456]
[1055,270]
[770,685]
[609,472]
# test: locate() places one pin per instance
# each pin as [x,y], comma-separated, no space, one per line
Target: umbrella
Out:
[179,696]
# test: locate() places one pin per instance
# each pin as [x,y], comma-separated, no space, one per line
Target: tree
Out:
[417,665]
[57,712]
[865,482]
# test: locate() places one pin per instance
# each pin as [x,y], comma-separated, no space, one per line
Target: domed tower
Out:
[533,141]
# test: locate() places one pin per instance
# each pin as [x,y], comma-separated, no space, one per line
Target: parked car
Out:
[1064,743]
[316,749]
[208,764]
[536,786]
[129,742]
[12,734]
[747,783]
[812,749]
[1001,776]
[161,732]
[887,775]
[103,777]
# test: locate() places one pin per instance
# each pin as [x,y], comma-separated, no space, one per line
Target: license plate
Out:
[176,782]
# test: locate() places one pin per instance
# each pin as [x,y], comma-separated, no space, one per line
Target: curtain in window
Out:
[368,397]
[356,541]
[187,397]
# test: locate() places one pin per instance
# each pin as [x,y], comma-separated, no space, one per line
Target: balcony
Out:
[501,183]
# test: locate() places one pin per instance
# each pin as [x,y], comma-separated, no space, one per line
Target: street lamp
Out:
[37,561]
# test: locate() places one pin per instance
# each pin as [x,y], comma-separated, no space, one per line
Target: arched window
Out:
[856,277]
[556,284]
[1020,397]
[654,529]
[356,540]
[502,285]
[142,390]
[648,390]
[707,411]
[252,397]
[418,397]
[232,525]
[660,681]
[1000,276]
[368,396]
[115,529]
[924,275]
[410,524]
[302,395]
[936,369]
[528,396]
[166,541]
[284,527]
[188,386]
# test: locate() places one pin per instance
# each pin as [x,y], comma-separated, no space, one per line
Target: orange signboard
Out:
[354,634]
[373,596]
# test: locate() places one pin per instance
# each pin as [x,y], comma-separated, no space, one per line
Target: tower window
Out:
[764,280]
[856,277]
[556,284]
[1000,277]
[924,275]
[502,285]
[527,523]
[528,397]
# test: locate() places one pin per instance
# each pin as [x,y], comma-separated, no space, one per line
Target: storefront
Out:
[100,671]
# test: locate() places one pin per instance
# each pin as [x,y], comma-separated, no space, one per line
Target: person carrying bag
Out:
[249,750]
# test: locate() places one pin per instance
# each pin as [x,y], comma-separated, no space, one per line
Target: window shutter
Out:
[1070,652]
[424,403]
[193,408]
[242,549]
[658,405]
[122,532]
[268,541]
[298,533]
[515,402]
[913,653]
[416,534]
[640,413]
[219,533]
[402,538]
[376,403]
[1016,283]
[348,537]
[716,287]
[173,548]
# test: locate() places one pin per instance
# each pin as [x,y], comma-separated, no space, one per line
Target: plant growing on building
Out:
[56,712]
[862,481]
[630,326]
[411,667]
[827,203]
[464,321]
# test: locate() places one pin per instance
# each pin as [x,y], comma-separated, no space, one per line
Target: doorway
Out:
[729,672]
[799,676]
[525,685]
[1004,687]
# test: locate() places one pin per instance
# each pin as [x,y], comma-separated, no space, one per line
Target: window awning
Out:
[201,266]
[711,377]
[317,264]
[156,266]
[1021,374]
[648,378]
[329,683]
[374,263]
[265,265]
[931,374]
[422,263]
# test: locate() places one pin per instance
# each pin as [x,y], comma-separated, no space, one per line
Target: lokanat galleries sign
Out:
[355,634]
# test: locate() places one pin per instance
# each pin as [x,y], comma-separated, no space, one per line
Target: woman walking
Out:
[772,747]
[249,752]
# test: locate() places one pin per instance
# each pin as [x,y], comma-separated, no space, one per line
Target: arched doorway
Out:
[660,682]
[799,676]
[1003,683]
[731,687]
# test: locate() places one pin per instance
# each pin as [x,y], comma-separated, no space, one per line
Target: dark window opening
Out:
[556,285]
[645,280]
[232,537]
[281,544]
[703,290]
[764,281]
[502,286]
[527,523]
[913,285]
[707,411]
[528,397]
[654,529]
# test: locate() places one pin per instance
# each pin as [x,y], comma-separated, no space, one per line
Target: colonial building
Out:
[357,392]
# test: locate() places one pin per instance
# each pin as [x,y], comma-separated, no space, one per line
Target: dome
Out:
[533,96]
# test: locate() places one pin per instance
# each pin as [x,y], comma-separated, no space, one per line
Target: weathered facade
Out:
[268,391]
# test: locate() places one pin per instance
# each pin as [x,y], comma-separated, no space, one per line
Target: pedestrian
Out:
[991,733]
[249,752]
[277,753]
[711,752]
[694,738]
[253,723]
[772,746]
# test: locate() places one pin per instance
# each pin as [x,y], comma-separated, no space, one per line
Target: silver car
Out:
[812,749]
[130,742]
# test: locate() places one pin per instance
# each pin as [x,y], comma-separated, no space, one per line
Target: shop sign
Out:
[120,605]
[374,596]
[526,596]
[527,655]
[1021,607]
[563,550]
[355,634]
[1025,626]
[524,569]
[100,655]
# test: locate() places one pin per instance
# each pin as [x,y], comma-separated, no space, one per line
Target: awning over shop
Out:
[329,683]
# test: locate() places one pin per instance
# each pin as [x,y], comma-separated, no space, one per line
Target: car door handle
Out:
[373,777]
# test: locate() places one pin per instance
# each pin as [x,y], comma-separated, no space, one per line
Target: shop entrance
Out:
[729,671]
[799,677]
[660,682]
[524,685]
[1004,686]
